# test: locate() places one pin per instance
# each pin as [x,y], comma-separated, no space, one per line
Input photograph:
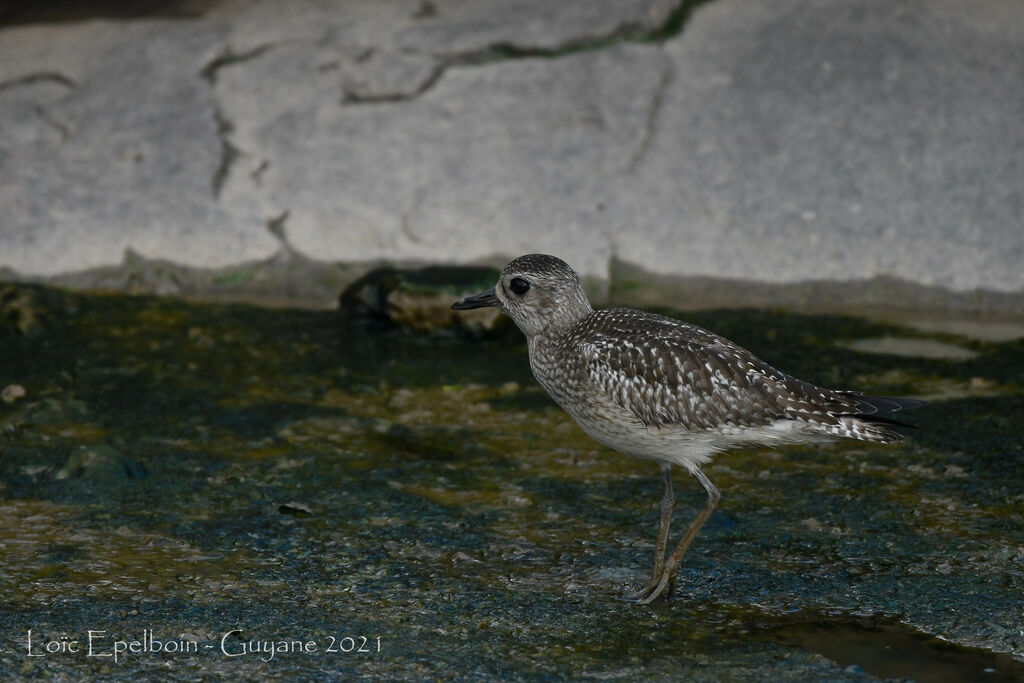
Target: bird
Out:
[661,389]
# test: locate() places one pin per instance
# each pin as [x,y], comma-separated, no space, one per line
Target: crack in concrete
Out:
[628,32]
[45,117]
[257,173]
[40,77]
[229,153]
[647,134]
[276,227]
[425,9]
[229,58]
[350,98]
[678,19]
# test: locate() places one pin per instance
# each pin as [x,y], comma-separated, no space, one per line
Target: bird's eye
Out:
[519,286]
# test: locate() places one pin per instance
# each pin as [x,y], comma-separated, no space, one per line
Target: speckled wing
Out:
[681,374]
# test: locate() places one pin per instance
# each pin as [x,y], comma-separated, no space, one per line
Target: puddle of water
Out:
[911,347]
[987,330]
[892,650]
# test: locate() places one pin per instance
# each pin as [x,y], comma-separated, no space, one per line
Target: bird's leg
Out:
[672,565]
[668,504]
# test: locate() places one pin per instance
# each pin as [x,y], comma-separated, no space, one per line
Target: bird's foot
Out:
[661,588]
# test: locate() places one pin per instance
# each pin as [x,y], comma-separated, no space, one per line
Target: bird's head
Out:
[541,294]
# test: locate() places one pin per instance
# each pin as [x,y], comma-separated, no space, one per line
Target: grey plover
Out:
[665,390]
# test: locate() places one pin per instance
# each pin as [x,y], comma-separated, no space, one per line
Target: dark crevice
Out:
[425,9]
[629,32]
[229,58]
[276,227]
[45,117]
[257,173]
[349,98]
[51,77]
[228,152]
[41,77]
[678,18]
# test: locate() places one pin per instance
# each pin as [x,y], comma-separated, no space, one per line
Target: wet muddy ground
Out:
[230,491]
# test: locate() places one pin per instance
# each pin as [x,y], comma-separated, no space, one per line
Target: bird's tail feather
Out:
[869,418]
[867,406]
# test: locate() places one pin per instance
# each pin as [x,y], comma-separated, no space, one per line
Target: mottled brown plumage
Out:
[671,373]
[661,389]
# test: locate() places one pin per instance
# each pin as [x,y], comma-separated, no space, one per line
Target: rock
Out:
[100,464]
[295,509]
[53,410]
[12,393]
[980,384]
[421,300]
[21,312]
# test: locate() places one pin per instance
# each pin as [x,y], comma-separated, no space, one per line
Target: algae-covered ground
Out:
[191,485]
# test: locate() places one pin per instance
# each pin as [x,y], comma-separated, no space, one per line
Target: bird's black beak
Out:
[481,300]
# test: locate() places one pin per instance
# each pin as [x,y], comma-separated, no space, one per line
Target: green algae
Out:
[456,513]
